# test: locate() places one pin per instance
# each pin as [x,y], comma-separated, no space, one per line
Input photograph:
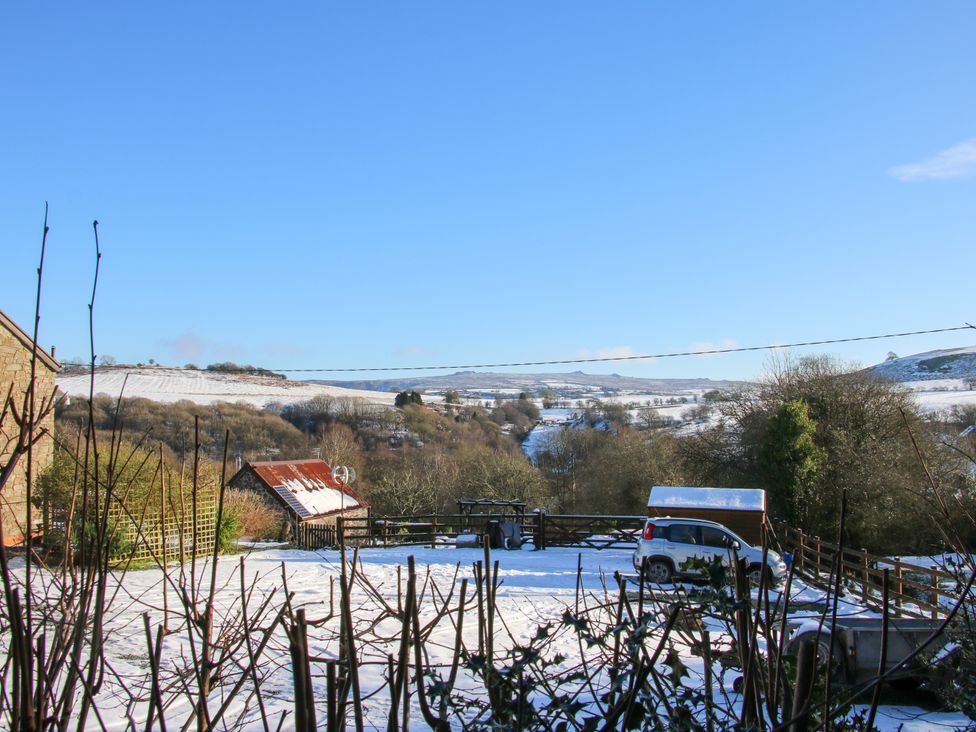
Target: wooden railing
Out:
[593,532]
[315,536]
[542,529]
[913,589]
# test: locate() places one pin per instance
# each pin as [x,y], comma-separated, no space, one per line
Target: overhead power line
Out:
[644,357]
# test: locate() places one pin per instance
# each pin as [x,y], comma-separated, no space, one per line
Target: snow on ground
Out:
[940,399]
[552,421]
[536,588]
[931,365]
[162,384]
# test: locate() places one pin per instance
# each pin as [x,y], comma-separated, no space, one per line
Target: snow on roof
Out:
[307,486]
[734,499]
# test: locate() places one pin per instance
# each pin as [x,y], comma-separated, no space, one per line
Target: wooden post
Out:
[540,530]
[934,582]
[799,551]
[864,575]
[899,586]
[433,532]
[340,532]
[806,660]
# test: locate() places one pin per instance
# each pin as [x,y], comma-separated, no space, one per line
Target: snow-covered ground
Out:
[536,588]
[947,363]
[162,384]
[941,395]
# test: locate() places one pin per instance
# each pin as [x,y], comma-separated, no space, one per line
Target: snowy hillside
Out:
[951,363]
[573,385]
[205,387]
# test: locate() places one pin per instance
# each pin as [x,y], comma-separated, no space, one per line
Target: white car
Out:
[669,543]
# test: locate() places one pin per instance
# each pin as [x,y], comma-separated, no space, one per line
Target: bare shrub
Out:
[258,518]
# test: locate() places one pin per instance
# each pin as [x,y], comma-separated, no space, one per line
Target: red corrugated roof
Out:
[303,477]
[277,472]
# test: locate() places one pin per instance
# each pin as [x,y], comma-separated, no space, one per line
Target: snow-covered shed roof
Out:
[729,499]
[306,487]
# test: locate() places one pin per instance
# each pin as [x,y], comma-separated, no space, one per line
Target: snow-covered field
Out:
[536,588]
[164,384]
[940,396]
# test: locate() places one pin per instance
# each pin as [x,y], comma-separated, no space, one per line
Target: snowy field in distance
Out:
[163,384]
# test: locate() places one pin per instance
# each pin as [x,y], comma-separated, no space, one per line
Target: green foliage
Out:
[790,460]
[859,426]
[407,397]
[229,367]
[229,530]
[85,540]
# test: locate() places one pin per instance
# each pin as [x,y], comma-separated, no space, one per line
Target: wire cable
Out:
[644,357]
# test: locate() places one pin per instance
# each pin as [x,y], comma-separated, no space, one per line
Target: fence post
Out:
[800,550]
[899,587]
[340,532]
[864,574]
[934,581]
[540,530]
[433,531]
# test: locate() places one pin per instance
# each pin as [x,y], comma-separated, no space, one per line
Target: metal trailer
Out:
[857,645]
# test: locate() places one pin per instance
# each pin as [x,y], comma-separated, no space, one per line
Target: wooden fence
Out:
[541,529]
[315,536]
[914,590]
[167,532]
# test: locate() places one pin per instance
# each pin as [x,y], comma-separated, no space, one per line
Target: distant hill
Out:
[575,384]
[163,384]
[950,363]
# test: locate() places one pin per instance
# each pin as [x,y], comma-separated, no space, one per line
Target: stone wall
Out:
[246,480]
[15,367]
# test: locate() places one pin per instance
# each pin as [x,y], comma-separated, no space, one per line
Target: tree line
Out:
[809,431]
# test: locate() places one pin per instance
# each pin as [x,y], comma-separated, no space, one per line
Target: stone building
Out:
[15,370]
[302,491]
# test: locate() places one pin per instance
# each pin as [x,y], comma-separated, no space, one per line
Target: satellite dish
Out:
[342,474]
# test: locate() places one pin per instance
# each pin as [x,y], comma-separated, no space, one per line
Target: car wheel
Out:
[823,643]
[756,572]
[658,571]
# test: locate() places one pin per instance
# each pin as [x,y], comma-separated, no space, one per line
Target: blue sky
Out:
[369,184]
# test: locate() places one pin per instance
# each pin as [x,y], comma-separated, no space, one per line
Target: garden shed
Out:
[305,490]
[741,509]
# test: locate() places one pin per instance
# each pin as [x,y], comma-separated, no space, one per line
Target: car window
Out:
[684,534]
[715,538]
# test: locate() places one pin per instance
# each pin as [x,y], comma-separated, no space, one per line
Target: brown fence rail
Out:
[593,532]
[915,590]
[315,536]
[541,529]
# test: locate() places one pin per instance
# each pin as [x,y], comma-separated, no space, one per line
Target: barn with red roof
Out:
[305,491]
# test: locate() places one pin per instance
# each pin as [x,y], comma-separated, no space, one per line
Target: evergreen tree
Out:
[407,397]
[789,459]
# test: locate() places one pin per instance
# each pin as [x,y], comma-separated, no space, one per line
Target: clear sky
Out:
[372,184]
